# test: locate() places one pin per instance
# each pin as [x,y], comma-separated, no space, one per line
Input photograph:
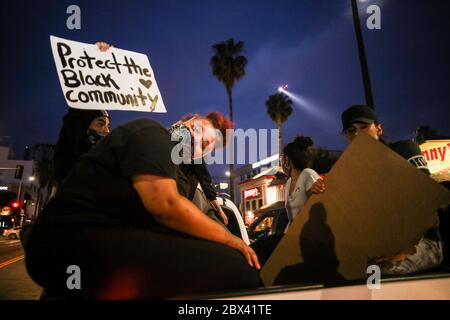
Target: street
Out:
[15,284]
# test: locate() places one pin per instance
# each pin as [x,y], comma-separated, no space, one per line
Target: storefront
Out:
[261,190]
[437,155]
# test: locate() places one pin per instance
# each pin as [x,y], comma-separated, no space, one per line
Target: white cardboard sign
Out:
[112,80]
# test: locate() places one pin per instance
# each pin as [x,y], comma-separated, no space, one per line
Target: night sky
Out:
[309,44]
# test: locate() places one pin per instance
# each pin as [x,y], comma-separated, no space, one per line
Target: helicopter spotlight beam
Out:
[283,88]
[306,104]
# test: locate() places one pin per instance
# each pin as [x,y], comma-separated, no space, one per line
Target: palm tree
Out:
[228,66]
[279,108]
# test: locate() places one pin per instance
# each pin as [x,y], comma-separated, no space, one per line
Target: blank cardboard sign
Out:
[376,204]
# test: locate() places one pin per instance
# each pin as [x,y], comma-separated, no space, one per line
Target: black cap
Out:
[409,150]
[358,113]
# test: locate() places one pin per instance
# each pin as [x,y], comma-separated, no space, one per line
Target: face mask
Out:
[180,134]
[93,137]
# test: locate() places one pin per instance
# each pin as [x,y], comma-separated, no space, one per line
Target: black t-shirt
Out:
[99,191]
[198,173]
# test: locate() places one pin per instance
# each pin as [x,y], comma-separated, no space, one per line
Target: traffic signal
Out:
[19,172]
[15,204]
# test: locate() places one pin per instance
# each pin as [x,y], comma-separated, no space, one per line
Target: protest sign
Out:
[376,204]
[112,80]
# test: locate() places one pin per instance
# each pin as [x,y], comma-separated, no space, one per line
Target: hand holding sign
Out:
[103,46]
[108,78]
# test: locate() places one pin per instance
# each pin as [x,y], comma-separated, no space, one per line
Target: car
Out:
[12,233]
[10,210]
[270,220]
[235,222]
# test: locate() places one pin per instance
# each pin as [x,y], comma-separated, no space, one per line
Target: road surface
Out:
[15,284]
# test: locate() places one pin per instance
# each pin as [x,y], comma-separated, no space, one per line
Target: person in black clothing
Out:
[427,253]
[80,132]
[197,172]
[119,217]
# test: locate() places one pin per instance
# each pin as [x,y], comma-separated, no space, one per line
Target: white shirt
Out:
[297,199]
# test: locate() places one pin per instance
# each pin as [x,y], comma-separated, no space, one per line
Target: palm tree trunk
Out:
[37,204]
[231,182]
[362,56]
[280,144]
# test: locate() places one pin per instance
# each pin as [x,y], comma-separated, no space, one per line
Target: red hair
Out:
[221,123]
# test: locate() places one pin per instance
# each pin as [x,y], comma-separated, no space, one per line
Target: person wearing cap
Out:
[80,132]
[427,253]
[362,118]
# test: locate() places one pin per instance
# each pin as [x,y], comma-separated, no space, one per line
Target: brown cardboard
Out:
[375,204]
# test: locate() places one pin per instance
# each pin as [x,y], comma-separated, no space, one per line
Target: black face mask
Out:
[93,137]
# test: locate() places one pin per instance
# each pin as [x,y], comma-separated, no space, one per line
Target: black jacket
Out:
[194,174]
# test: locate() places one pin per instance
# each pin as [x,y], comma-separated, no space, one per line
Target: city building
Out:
[261,184]
[261,191]
[255,184]
[42,155]
[437,155]
[39,152]
[25,189]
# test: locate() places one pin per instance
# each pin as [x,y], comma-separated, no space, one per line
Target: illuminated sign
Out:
[265,161]
[223,185]
[6,211]
[252,193]
[437,155]
[4,188]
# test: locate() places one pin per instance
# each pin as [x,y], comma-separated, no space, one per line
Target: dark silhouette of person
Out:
[317,248]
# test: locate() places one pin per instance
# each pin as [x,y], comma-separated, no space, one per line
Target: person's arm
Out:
[315,184]
[318,187]
[220,212]
[426,254]
[161,199]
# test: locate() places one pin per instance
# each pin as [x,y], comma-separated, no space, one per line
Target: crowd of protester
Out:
[139,226]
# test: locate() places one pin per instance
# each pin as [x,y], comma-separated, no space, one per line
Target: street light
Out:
[31,178]
[227,173]
[362,56]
